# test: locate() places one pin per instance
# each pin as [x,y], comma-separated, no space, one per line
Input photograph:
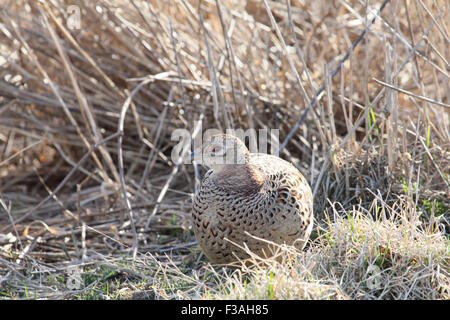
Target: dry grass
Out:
[86,116]
[410,264]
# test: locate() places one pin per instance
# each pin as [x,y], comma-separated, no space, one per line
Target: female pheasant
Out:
[245,196]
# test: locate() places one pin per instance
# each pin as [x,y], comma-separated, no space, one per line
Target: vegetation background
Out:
[93,207]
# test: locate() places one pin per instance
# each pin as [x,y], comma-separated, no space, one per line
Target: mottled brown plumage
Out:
[261,194]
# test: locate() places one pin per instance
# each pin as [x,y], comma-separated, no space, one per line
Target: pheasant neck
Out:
[242,179]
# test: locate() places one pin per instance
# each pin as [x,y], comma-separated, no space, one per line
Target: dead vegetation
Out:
[88,189]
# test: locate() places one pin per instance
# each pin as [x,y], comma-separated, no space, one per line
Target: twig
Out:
[291,63]
[185,152]
[120,132]
[313,102]
[66,178]
[85,108]
[412,94]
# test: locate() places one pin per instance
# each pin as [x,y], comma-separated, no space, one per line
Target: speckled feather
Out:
[267,197]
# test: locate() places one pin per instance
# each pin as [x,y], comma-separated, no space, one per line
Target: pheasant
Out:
[246,198]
